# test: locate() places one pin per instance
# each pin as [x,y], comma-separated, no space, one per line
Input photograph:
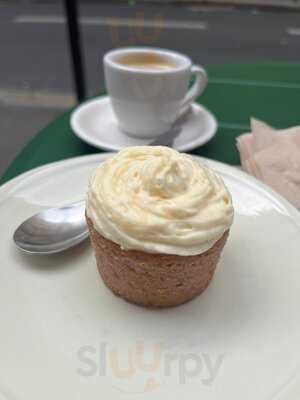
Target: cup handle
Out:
[196,90]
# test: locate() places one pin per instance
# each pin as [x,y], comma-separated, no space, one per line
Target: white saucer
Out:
[94,122]
[64,335]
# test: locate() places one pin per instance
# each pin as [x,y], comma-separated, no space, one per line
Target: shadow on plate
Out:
[168,138]
[54,263]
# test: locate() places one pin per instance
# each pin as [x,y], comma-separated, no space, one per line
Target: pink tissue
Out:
[273,156]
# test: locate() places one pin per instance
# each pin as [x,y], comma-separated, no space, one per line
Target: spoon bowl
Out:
[53,230]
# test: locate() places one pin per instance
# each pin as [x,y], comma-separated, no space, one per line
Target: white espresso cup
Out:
[148,88]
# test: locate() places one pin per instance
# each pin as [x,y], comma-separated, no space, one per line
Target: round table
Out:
[235,93]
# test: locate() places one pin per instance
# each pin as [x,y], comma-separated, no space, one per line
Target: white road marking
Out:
[125,22]
[293,31]
[39,19]
[214,8]
[39,99]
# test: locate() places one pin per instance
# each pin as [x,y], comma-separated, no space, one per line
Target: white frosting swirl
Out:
[158,200]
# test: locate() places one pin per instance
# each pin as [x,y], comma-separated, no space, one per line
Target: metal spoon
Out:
[53,230]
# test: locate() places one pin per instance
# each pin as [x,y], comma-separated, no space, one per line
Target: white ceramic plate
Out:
[94,123]
[64,335]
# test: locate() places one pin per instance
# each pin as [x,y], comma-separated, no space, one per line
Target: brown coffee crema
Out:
[146,61]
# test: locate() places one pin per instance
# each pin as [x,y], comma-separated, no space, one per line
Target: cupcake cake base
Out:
[154,280]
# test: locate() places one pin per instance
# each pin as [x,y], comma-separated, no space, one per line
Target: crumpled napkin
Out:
[273,156]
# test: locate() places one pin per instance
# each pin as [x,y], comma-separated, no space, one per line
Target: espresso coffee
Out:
[149,88]
[147,61]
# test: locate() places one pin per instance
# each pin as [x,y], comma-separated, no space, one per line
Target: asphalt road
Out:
[35,75]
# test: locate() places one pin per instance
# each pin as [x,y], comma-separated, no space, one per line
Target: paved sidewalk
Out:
[18,126]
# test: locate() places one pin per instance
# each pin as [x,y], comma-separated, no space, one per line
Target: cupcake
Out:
[158,222]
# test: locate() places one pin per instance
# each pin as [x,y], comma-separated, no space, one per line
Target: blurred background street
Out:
[36,81]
